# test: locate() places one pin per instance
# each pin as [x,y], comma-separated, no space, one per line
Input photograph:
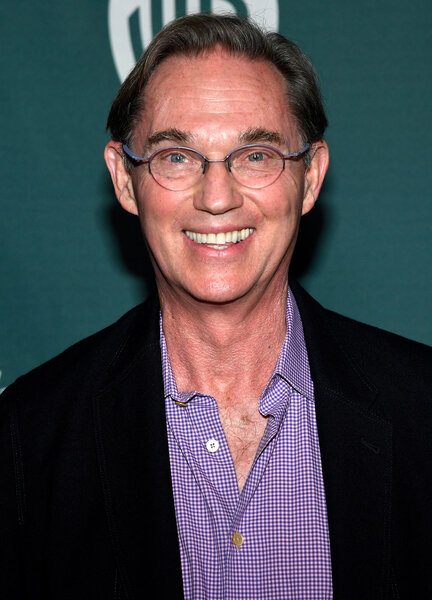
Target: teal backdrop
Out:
[71,261]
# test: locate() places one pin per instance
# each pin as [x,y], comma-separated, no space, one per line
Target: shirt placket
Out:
[213,452]
[240,545]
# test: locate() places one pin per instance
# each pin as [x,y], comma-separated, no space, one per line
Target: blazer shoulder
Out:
[375,346]
[398,368]
[87,365]
[383,357]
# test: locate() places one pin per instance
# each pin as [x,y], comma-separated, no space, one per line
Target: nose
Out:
[217,192]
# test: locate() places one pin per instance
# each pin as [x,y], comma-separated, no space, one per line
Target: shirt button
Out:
[237,539]
[212,445]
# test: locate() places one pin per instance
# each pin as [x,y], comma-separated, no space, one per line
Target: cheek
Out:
[159,213]
[283,207]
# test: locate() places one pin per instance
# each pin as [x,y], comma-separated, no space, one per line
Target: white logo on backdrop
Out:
[265,12]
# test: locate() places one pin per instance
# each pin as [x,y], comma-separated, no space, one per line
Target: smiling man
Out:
[229,438]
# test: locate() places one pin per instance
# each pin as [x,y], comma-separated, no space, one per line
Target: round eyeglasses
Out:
[179,168]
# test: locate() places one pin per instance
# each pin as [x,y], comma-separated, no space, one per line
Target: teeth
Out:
[221,239]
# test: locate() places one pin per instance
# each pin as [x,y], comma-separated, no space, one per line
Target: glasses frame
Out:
[206,161]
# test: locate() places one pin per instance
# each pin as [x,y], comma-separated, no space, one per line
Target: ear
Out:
[120,176]
[315,174]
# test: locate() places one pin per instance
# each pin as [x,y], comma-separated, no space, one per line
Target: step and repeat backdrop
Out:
[71,261]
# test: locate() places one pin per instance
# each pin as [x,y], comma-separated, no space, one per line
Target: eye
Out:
[256,156]
[176,158]
[171,158]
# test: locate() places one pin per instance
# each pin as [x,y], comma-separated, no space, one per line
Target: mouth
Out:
[220,241]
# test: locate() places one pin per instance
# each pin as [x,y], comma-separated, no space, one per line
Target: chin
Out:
[218,293]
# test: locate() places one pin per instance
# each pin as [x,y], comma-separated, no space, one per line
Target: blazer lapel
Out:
[132,448]
[356,454]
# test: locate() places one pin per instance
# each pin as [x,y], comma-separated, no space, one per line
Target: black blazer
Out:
[86,507]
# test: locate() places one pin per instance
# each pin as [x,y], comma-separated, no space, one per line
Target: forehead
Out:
[215,97]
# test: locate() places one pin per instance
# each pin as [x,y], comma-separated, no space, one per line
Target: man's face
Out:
[215,103]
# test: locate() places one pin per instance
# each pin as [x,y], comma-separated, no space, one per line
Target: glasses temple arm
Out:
[299,152]
[133,156]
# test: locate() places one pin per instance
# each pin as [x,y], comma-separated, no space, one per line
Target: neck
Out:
[222,349]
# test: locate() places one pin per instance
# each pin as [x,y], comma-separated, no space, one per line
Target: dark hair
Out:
[194,34]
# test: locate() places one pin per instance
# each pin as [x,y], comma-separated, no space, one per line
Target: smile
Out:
[216,240]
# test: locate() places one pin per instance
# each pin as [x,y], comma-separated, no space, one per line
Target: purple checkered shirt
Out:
[271,541]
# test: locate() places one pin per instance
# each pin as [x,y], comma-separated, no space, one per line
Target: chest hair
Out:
[244,428]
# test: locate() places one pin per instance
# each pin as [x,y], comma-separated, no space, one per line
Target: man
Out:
[231,439]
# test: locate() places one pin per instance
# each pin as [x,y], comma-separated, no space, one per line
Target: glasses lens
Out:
[256,166]
[176,168]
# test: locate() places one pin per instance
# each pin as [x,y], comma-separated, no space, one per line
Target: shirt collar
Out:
[292,364]
[170,386]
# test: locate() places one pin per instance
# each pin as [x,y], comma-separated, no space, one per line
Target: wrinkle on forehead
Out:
[216,89]
[217,85]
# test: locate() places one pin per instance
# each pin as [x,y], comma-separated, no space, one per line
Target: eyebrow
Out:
[258,134]
[168,135]
[249,136]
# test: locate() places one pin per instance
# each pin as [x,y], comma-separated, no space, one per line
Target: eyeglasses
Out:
[179,168]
